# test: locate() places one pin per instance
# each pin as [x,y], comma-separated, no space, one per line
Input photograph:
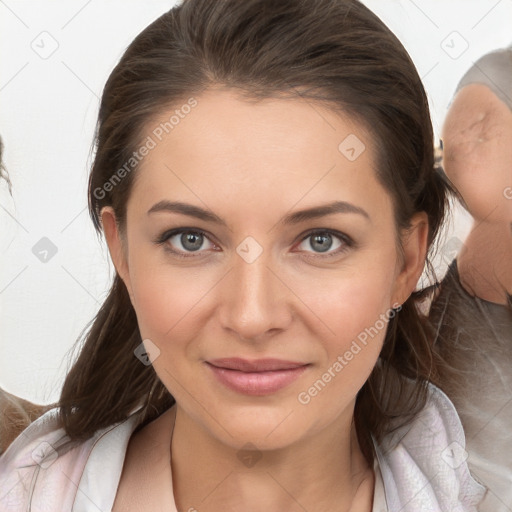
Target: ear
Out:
[116,245]
[414,244]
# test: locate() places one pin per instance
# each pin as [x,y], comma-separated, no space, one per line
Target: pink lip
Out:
[258,377]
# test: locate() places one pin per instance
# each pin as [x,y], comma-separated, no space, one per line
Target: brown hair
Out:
[333,51]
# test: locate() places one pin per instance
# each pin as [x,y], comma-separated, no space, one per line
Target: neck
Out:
[485,263]
[326,471]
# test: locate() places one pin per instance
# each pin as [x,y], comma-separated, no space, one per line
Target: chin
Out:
[267,426]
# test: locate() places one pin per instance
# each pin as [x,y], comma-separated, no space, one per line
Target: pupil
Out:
[325,242]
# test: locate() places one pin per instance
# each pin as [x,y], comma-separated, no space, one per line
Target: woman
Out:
[472,314]
[265,180]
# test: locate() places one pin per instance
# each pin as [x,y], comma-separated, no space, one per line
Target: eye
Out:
[321,241]
[184,240]
[188,242]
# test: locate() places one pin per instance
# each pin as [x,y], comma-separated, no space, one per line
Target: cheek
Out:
[357,318]
[359,321]
[166,297]
[349,305]
[354,295]
[351,311]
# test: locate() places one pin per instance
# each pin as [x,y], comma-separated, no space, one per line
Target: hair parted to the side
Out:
[333,51]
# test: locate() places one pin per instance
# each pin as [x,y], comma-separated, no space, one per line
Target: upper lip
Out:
[256,365]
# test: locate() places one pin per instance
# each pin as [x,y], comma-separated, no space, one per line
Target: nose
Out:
[255,301]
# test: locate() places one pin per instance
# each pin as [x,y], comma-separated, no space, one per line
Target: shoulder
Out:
[423,464]
[43,467]
[144,482]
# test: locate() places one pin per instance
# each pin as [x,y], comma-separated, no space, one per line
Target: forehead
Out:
[226,148]
[224,122]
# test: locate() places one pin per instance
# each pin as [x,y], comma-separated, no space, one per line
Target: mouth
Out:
[257,377]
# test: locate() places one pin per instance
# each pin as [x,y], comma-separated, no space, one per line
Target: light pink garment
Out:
[419,468]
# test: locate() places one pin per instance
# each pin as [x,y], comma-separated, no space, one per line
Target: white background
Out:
[48,109]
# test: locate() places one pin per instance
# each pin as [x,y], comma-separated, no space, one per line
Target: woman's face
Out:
[477,155]
[259,284]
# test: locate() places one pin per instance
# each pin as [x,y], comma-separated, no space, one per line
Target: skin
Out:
[261,162]
[477,158]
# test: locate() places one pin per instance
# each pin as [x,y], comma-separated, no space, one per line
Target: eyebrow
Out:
[290,219]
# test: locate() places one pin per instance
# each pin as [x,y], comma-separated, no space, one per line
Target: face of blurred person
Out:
[251,278]
[477,154]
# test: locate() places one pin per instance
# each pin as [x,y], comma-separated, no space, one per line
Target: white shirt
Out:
[420,467]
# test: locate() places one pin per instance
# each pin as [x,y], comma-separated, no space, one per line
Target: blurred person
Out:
[16,414]
[472,313]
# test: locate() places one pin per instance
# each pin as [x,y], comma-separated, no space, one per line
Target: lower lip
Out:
[256,383]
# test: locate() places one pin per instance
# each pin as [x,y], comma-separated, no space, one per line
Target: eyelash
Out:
[345,239]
